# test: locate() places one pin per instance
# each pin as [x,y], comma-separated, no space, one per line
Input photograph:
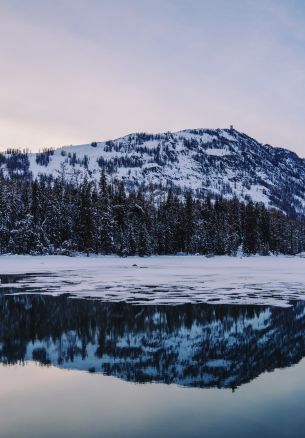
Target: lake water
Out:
[84,368]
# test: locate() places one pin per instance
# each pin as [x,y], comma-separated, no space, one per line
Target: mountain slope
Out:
[220,162]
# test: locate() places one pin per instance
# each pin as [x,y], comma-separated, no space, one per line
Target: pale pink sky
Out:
[74,71]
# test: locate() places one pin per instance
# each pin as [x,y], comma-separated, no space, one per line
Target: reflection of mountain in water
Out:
[192,345]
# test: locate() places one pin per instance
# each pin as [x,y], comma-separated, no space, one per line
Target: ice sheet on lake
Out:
[161,280]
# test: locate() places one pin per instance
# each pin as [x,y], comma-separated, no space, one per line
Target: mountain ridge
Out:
[207,162]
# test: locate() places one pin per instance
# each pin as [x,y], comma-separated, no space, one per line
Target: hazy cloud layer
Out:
[73,71]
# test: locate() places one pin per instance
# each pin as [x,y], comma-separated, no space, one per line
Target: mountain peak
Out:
[214,162]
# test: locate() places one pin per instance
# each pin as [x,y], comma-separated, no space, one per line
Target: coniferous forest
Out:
[56,216]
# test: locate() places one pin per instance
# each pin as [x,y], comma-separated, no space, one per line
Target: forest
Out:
[54,215]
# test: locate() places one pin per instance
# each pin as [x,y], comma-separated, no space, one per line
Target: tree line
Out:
[53,215]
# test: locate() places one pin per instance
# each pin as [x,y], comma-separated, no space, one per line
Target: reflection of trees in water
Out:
[195,345]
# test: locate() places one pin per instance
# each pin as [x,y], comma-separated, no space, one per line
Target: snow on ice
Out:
[160,279]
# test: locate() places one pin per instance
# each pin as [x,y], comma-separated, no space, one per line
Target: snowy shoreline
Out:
[274,280]
[27,264]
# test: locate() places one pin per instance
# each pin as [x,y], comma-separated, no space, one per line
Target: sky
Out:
[76,71]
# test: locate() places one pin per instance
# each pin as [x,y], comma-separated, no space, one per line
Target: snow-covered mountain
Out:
[221,161]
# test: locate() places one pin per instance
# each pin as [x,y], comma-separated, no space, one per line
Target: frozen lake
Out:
[162,346]
[161,279]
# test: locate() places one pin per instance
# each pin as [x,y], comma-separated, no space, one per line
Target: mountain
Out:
[199,345]
[216,162]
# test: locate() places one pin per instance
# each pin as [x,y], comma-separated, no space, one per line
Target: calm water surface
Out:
[84,368]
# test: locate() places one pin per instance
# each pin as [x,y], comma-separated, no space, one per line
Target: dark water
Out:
[73,367]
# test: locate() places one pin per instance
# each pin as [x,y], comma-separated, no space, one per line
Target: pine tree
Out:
[85,220]
[250,230]
[105,217]
[53,215]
